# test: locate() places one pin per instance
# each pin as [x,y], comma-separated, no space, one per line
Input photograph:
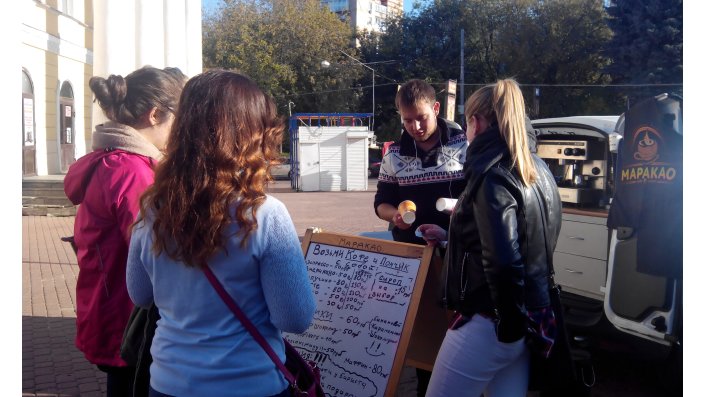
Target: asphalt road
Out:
[627,367]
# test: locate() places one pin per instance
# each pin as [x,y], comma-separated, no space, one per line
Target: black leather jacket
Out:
[496,262]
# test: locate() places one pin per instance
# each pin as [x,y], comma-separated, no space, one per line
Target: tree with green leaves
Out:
[647,47]
[563,48]
[280,44]
[554,44]
[538,42]
[423,45]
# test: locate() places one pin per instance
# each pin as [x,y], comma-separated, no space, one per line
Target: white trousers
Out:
[472,361]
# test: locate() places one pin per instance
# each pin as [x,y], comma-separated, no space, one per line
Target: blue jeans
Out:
[154,393]
[471,361]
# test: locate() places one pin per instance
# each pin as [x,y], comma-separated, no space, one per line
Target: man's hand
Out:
[390,214]
[399,222]
[433,234]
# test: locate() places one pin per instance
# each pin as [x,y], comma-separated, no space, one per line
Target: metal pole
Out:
[373,84]
[281,146]
[461,105]
[537,94]
[373,99]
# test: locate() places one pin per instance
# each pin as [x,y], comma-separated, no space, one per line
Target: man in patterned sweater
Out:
[425,165]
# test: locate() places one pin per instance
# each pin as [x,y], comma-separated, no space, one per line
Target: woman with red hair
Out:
[208,207]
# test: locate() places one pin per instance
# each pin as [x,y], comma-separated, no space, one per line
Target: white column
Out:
[114,44]
[194,44]
[100,38]
[175,34]
[113,37]
[149,33]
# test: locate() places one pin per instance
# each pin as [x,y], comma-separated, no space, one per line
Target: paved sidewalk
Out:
[51,364]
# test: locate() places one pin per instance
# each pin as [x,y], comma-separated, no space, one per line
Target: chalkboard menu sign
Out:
[367,293]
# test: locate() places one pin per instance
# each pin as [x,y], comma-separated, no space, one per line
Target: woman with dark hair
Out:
[107,183]
[502,233]
[208,207]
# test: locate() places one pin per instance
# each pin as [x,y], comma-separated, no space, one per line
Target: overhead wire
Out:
[571,85]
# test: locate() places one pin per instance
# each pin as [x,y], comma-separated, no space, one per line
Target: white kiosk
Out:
[329,151]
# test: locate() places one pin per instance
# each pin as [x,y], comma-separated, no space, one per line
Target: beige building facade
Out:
[66,42]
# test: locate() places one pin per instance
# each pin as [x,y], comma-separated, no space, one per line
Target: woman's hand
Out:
[433,234]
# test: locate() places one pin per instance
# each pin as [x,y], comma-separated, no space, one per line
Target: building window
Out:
[66,90]
[27,86]
[28,136]
[67,132]
[67,7]
[66,114]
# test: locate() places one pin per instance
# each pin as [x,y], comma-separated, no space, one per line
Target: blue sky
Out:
[210,4]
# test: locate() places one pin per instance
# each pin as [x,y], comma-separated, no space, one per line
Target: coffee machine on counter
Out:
[580,169]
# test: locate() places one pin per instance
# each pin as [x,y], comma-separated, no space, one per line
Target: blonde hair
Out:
[502,103]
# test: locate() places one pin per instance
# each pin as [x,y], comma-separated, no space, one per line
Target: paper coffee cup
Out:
[446,205]
[407,209]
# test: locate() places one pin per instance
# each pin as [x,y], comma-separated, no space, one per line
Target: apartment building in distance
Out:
[365,14]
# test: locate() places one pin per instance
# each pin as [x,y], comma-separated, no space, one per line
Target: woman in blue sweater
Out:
[208,206]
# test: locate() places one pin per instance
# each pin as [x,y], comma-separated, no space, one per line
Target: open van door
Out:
[644,286]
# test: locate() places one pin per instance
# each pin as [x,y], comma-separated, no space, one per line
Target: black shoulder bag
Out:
[555,374]
[136,342]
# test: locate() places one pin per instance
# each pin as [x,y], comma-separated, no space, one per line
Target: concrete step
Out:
[45,200]
[48,210]
[38,183]
[43,188]
[44,196]
[43,192]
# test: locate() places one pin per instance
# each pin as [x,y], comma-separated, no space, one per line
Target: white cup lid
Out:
[445,204]
[409,217]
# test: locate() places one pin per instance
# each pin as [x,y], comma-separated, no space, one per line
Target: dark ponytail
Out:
[126,100]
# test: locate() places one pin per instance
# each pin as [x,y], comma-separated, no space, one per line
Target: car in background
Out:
[374,156]
[282,171]
[374,168]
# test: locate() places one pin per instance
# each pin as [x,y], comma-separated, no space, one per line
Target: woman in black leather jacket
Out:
[503,228]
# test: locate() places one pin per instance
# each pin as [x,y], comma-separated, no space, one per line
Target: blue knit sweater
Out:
[200,348]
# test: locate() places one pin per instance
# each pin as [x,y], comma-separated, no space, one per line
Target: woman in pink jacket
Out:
[107,183]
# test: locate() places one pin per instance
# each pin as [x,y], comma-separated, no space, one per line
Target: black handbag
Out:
[136,342]
[556,374]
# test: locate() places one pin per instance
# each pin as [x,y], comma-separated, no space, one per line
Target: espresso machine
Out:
[580,169]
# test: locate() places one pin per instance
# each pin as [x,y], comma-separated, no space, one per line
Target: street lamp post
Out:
[326,64]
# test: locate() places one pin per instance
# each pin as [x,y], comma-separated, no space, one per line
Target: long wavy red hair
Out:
[223,141]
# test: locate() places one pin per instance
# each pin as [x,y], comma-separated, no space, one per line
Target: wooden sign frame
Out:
[367,244]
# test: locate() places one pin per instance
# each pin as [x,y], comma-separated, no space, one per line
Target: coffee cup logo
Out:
[653,160]
[646,147]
